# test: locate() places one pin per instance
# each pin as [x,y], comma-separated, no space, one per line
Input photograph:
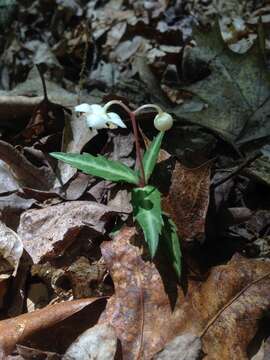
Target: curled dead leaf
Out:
[15,330]
[23,170]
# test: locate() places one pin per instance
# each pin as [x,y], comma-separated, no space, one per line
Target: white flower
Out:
[163,121]
[97,117]
[239,24]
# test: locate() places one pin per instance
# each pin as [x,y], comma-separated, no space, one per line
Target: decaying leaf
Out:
[235,94]
[98,342]
[140,305]
[48,232]
[27,353]
[188,199]
[226,309]
[86,279]
[11,249]
[76,135]
[15,330]
[23,170]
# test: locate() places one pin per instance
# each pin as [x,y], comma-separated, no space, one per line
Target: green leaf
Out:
[99,166]
[171,241]
[236,93]
[151,155]
[147,212]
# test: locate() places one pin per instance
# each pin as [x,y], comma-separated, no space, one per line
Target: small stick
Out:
[43,83]
[238,170]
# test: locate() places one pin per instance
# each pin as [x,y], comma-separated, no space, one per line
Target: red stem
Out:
[137,145]
[132,115]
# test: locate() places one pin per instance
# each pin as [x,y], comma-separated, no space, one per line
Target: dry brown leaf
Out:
[27,353]
[140,309]
[188,200]
[48,232]
[76,134]
[224,311]
[16,330]
[86,279]
[23,170]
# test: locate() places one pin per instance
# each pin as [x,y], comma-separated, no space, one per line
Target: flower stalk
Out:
[132,116]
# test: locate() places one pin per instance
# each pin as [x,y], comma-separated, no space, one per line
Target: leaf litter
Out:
[65,234]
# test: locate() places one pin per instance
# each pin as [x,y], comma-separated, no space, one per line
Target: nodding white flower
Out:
[163,121]
[97,117]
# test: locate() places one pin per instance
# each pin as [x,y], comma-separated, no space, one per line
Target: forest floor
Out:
[96,263]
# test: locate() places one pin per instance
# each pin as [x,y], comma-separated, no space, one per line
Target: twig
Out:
[213,320]
[246,163]
[43,83]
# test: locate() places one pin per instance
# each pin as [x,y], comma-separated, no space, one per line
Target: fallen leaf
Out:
[15,330]
[224,311]
[188,200]
[235,94]
[23,170]
[7,181]
[11,249]
[140,305]
[47,232]
[37,296]
[98,342]
[86,279]
[11,207]
[27,353]
[183,347]
[75,136]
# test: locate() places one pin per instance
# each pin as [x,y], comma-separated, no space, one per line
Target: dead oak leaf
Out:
[188,199]
[225,309]
[140,309]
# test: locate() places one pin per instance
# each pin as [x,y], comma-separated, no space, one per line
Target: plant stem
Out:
[148,106]
[138,148]
[132,115]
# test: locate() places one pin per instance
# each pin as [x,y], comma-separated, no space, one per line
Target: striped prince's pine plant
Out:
[146,199]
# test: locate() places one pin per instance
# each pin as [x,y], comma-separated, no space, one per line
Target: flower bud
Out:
[163,121]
